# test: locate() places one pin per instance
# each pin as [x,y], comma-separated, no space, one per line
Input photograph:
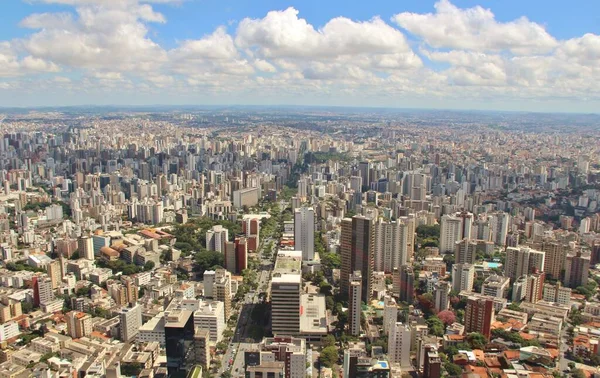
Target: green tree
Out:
[453,370]
[477,340]
[436,326]
[328,356]
[328,341]
[149,265]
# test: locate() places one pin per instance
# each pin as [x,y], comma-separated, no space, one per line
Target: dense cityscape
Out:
[298,242]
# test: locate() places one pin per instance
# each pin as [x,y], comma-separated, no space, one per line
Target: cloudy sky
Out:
[529,55]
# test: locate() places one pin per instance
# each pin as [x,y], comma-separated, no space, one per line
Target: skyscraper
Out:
[403,283]
[577,268]
[79,324]
[399,344]
[357,245]
[441,295]
[466,251]
[535,287]
[304,232]
[216,238]
[130,321]
[479,315]
[286,288]
[42,289]
[85,246]
[463,276]
[222,289]
[354,303]
[523,261]
[450,233]
[391,245]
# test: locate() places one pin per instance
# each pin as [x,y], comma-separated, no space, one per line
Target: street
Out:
[239,343]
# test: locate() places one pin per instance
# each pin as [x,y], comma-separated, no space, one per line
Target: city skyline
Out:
[475,55]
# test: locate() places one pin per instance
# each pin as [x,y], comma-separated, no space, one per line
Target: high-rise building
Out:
[441,295]
[222,290]
[216,238]
[453,228]
[85,246]
[241,254]
[499,223]
[202,347]
[554,260]
[357,247]
[390,313]
[557,293]
[496,286]
[577,267]
[403,283]
[364,170]
[42,289]
[179,336]
[55,273]
[286,288]
[432,363]
[100,241]
[523,261]
[79,324]
[465,251]
[399,344]
[304,232]
[354,303]
[289,350]
[130,321]
[463,277]
[479,315]
[391,245]
[535,287]
[230,258]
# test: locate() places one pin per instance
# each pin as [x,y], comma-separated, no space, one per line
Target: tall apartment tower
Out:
[479,315]
[403,283]
[463,277]
[286,289]
[450,233]
[55,273]
[523,261]
[202,347]
[42,289]
[500,222]
[216,238]
[354,303]
[577,268]
[432,366]
[130,321]
[465,251]
[556,254]
[441,295]
[391,245]
[85,245]
[535,287]
[399,344]
[79,324]
[304,232]
[222,289]
[357,247]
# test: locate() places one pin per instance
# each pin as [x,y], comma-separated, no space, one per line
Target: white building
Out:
[557,293]
[390,313]
[454,228]
[216,238]
[153,330]
[130,319]
[463,276]
[304,232]
[8,330]
[391,245]
[399,344]
[211,316]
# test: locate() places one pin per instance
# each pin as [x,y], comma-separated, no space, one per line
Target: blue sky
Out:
[412,53]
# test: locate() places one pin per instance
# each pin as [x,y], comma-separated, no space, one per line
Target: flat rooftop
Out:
[313,314]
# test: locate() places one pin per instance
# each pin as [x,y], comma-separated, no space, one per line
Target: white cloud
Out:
[102,37]
[283,35]
[475,29]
